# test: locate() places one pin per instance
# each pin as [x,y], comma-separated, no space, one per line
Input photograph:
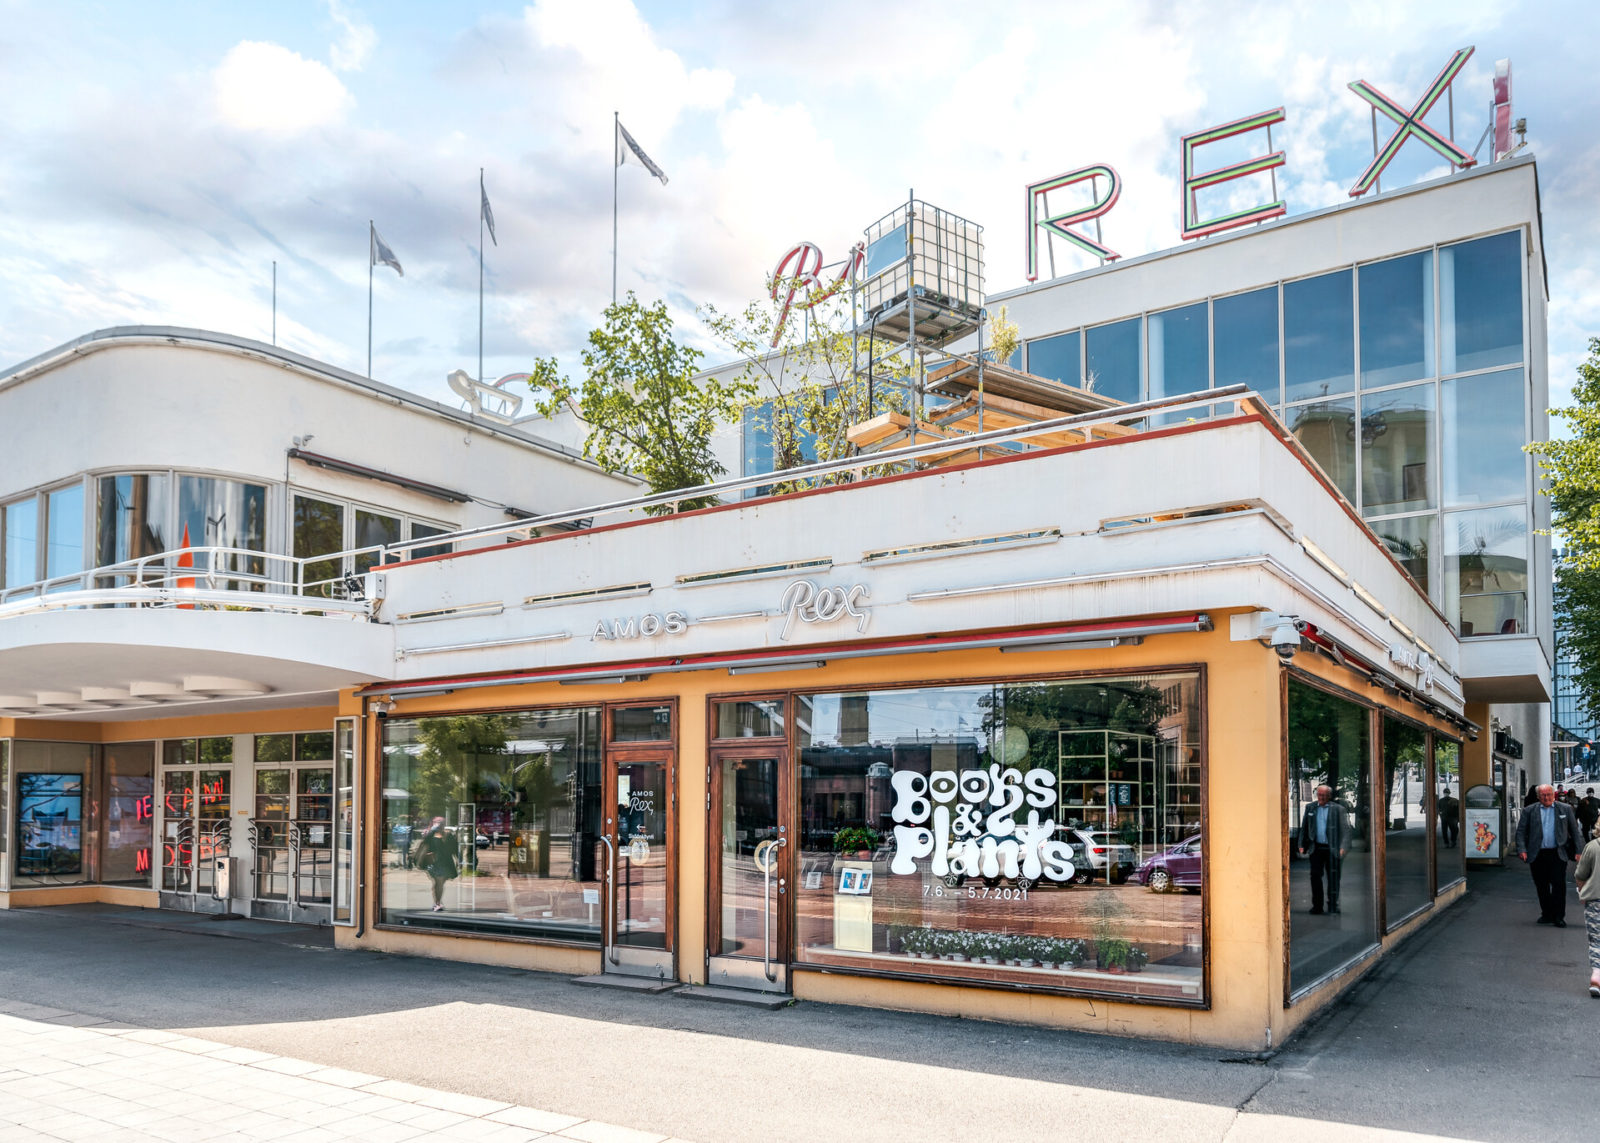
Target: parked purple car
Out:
[1176,867]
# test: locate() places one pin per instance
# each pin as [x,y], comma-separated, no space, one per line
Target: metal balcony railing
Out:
[225,578]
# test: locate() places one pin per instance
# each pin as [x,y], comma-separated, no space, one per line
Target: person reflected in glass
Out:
[1324,838]
[1548,836]
[1588,811]
[435,855]
[1449,819]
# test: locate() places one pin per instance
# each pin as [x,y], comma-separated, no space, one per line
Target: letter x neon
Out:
[1411,122]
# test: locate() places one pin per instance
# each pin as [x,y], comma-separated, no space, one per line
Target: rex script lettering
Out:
[806,602]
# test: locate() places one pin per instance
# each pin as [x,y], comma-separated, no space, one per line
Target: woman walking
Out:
[1589,893]
[435,855]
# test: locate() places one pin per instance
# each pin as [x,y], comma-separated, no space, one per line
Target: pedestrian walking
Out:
[1588,811]
[1448,810]
[435,855]
[1548,836]
[1589,894]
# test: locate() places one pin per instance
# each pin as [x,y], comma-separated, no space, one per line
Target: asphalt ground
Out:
[1480,1027]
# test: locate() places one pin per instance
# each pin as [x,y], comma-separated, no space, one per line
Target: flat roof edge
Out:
[136,335]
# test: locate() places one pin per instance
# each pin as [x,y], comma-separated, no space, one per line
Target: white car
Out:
[1097,853]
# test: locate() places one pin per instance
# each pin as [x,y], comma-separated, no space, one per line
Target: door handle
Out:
[607,921]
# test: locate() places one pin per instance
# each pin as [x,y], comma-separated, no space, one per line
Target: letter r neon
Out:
[1061,224]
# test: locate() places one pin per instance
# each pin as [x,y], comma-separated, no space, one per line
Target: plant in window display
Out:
[857,839]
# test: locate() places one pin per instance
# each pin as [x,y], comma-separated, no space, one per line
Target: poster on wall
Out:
[49,824]
[1483,833]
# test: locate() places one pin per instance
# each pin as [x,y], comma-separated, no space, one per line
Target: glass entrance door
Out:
[640,939]
[750,869]
[292,832]
[196,831]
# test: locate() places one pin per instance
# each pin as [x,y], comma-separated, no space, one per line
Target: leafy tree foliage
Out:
[1571,471]
[647,413]
[807,382]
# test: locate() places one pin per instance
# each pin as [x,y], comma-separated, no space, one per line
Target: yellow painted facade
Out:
[1244,806]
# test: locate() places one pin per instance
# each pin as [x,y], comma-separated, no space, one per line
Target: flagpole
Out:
[371,239]
[483,196]
[616,123]
[274,301]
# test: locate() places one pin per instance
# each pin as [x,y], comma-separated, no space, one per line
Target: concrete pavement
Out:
[1448,1037]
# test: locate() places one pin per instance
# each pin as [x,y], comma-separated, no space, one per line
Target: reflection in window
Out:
[1056,358]
[131,519]
[751,718]
[64,522]
[1113,353]
[1406,778]
[1483,438]
[1318,337]
[1397,320]
[128,832]
[1480,296]
[1330,850]
[1449,854]
[529,786]
[1396,433]
[224,514]
[373,529]
[893,825]
[1245,340]
[1412,540]
[1327,430]
[1486,570]
[1179,357]
[641,724]
[318,531]
[22,542]
[422,532]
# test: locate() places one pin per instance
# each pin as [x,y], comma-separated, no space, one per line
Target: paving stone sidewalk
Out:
[73,1077]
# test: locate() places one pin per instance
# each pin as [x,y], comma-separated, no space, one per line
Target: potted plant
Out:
[1137,958]
[858,840]
[1111,955]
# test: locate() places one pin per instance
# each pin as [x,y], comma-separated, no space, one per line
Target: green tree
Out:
[805,373]
[648,412]
[1571,472]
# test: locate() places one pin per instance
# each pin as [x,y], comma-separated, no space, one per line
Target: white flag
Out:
[488,215]
[628,151]
[381,254]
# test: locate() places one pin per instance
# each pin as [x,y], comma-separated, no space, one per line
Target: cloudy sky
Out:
[156,158]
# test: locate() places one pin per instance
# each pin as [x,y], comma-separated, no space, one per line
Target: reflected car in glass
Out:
[1176,867]
[1097,853]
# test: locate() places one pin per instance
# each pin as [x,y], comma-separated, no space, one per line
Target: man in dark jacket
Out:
[1588,811]
[1449,811]
[1549,836]
[1322,837]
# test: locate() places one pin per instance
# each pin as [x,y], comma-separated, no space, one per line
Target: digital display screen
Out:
[49,824]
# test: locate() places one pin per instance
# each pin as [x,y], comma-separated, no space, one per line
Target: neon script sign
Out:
[798,272]
[1408,122]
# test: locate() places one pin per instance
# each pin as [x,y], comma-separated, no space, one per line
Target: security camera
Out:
[1284,638]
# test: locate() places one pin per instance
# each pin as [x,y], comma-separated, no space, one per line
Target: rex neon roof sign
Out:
[1408,123]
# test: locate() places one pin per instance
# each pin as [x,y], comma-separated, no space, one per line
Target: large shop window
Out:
[517,800]
[1041,834]
[130,813]
[1407,777]
[1449,854]
[1333,909]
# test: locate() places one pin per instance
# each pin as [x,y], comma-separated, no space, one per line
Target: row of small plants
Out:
[1111,954]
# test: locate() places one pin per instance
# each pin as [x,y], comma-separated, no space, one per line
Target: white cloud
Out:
[356,39]
[266,87]
[625,68]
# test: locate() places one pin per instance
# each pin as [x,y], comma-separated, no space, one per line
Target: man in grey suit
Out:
[1322,837]
[1549,836]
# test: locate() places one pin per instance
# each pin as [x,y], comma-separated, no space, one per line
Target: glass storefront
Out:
[51,780]
[1332,878]
[493,823]
[129,813]
[1041,834]
[1407,777]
